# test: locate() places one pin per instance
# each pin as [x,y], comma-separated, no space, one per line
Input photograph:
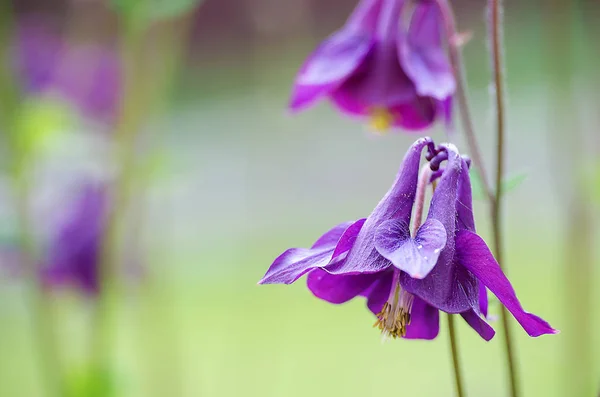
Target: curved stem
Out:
[495,33]
[455,359]
[456,59]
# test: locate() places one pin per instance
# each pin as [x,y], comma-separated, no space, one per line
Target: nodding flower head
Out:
[378,67]
[406,270]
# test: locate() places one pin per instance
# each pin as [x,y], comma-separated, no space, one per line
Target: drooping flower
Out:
[73,252]
[87,76]
[377,67]
[407,279]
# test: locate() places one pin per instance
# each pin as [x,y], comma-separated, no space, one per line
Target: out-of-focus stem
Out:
[495,34]
[422,184]
[456,59]
[125,136]
[45,343]
[562,43]
[458,382]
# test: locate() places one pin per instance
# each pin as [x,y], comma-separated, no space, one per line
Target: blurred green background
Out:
[236,180]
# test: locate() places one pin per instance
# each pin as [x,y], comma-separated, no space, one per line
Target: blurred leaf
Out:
[477,189]
[148,11]
[510,183]
[40,122]
[91,382]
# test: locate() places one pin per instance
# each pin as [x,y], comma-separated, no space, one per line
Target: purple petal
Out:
[445,108]
[415,115]
[331,238]
[414,256]
[334,61]
[422,54]
[338,288]
[479,325]
[74,249]
[474,254]
[348,238]
[449,286]
[396,204]
[464,204]
[379,292]
[295,262]
[483,300]
[424,321]
[381,83]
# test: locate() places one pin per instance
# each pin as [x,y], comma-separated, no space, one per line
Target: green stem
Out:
[458,382]
[41,311]
[495,33]
[456,59]
[125,137]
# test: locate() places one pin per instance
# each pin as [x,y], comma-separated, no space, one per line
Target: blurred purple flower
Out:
[73,256]
[376,67]
[86,75]
[408,279]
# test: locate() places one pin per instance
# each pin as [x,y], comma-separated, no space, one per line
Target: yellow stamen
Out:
[394,317]
[381,119]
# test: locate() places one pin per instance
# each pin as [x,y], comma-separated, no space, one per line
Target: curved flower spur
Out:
[407,279]
[376,66]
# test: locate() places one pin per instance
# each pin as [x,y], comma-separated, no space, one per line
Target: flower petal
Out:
[424,321]
[464,204]
[331,238]
[474,255]
[379,292]
[449,286]
[346,241]
[295,262]
[415,115]
[479,325]
[422,54]
[397,204]
[334,61]
[414,256]
[381,83]
[483,300]
[338,288]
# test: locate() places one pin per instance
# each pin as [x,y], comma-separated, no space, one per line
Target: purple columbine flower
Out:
[73,257]
[377,67]
[86,75]
[407,279]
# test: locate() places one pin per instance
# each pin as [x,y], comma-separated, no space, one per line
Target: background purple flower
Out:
[86,75]
[376,67]
[73,253]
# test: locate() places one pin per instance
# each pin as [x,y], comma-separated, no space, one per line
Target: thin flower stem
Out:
[458,382]
[456,59]
[495,33]
[422,184]
[125,137]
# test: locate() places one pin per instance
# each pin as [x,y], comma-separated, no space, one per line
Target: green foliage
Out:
[144,12]
[40,122]
[510,183]
[91,382]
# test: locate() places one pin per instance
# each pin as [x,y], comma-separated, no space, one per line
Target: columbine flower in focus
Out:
[377,67]
[88,76]
[73,252]
[407,279]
